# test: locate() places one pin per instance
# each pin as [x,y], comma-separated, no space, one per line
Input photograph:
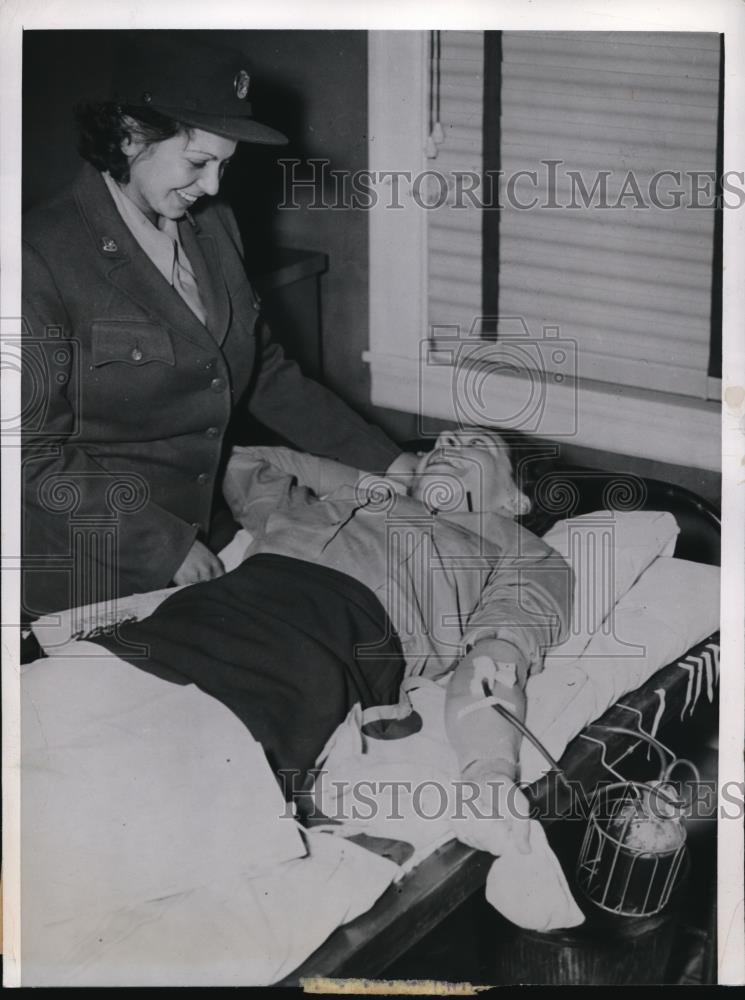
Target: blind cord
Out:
[436,134]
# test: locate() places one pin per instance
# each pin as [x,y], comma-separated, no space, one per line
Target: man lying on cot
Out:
[349,585]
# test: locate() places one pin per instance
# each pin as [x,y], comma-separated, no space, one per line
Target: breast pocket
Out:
[130,342]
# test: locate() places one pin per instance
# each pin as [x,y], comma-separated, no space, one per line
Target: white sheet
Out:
[157,847]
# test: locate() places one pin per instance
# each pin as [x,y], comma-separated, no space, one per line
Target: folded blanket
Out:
[275,641]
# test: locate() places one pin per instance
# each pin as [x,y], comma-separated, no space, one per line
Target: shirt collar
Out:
[156,241]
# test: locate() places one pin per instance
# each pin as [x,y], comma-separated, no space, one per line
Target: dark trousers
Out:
[288,646]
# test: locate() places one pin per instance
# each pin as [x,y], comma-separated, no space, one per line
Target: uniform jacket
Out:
[128,397]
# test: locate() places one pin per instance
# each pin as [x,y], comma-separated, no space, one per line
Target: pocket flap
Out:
[131,342]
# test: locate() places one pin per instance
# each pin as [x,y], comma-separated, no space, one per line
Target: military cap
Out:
[189,78]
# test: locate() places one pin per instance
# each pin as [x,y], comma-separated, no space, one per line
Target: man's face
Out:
[469,470]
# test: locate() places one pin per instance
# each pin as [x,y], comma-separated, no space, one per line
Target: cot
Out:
[679,695]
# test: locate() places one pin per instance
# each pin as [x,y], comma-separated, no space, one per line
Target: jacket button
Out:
[212,432]
[136,354]
[203,478]
[217,385]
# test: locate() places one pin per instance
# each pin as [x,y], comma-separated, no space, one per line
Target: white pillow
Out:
[673,606]
[608,550]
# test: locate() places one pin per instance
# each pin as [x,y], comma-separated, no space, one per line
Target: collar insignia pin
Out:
[108,245]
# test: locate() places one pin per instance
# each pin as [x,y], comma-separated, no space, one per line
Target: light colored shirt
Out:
[445,581]
[163,246]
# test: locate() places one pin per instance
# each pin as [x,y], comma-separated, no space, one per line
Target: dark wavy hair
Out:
[103,127]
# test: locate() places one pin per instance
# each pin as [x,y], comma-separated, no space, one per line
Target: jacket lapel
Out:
[129,268]
[202,251]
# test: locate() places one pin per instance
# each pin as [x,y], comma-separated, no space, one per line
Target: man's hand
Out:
[402,469]
[200,564]
[497,820]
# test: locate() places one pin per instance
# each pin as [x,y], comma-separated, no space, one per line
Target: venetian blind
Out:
[596,117]
[454,230]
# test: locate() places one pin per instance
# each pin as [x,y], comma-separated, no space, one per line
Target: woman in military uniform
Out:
[144,340]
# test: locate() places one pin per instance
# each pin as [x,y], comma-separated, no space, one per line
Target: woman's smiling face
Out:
[166,178]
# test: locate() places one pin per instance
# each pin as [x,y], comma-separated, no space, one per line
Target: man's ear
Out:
[519,504]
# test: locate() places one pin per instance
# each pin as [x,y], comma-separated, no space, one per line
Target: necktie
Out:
[184,282]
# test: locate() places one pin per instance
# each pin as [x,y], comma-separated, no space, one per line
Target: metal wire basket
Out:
[634,853]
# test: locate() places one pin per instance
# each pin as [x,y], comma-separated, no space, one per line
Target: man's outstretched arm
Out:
[487,745]
[525,606]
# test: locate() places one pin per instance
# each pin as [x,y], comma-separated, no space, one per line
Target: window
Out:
[569,215]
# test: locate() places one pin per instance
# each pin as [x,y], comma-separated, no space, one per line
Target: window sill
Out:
[646,424]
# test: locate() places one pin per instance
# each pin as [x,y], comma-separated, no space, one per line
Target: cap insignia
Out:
[241,84]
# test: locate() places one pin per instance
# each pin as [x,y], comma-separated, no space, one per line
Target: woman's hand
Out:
[200,564]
